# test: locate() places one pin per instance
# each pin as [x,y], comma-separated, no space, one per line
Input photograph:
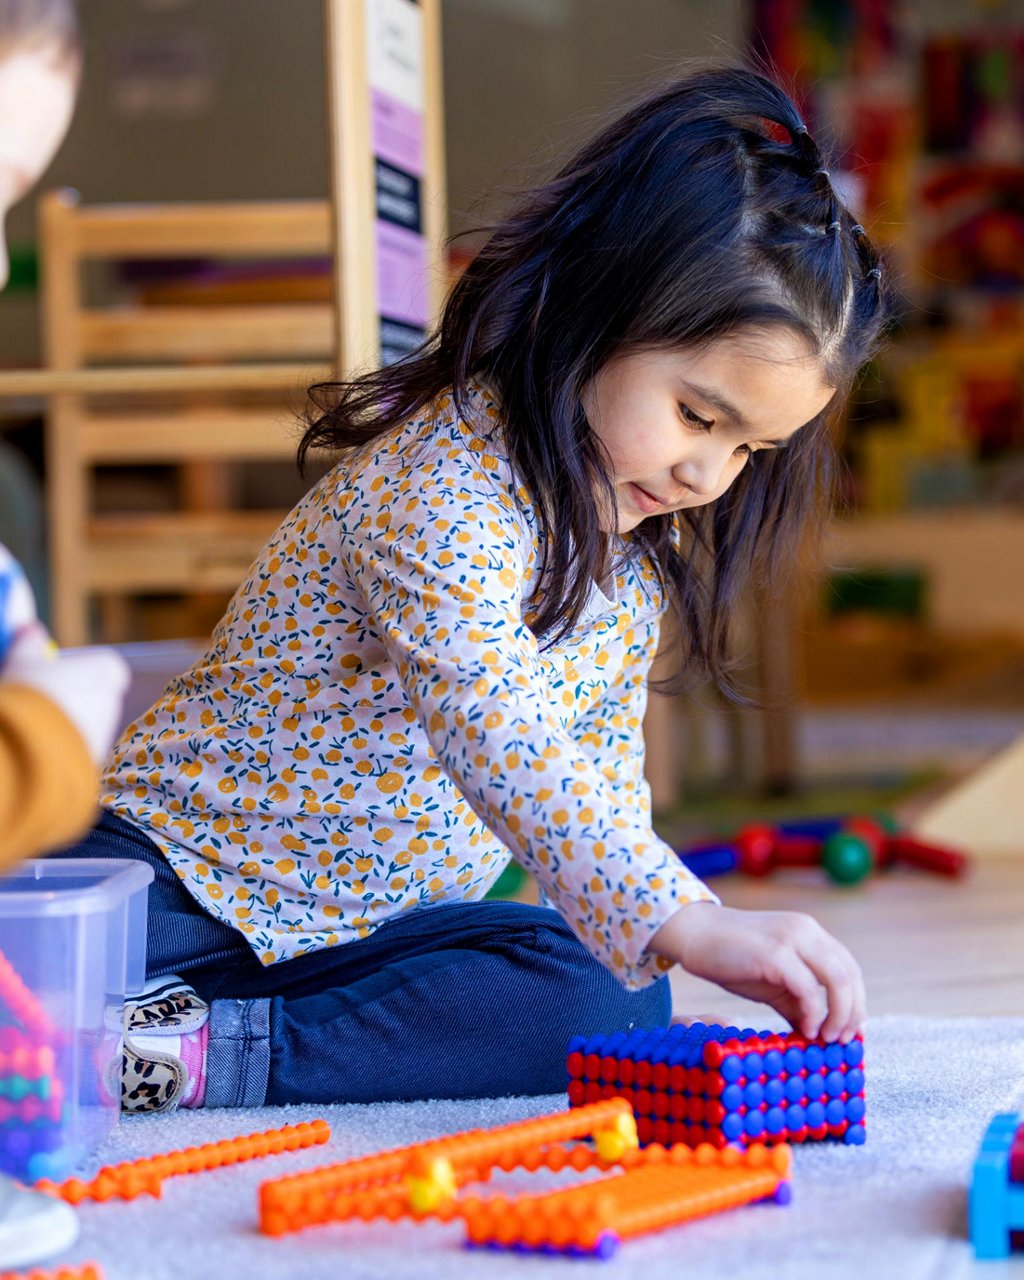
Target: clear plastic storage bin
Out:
[72,946]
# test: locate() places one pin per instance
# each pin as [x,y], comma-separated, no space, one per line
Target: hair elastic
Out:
[824,173]
[876,272]
[857,230]
[833,227]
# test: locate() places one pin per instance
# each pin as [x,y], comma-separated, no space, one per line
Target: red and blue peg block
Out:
[848,849]
[722,1085]
[995,1205]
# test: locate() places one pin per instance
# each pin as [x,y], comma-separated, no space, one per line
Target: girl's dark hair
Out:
[704,210]
[50,25]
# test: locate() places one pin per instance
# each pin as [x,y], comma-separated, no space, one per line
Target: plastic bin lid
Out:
[70,886]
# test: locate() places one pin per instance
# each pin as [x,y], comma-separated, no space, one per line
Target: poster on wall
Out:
[394,34]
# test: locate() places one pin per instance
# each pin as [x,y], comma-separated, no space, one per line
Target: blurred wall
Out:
[525,79]
[224,99]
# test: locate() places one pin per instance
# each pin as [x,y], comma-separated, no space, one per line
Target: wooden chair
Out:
[206,544]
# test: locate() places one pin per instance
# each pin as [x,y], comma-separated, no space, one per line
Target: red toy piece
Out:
[848,849]
[930,857]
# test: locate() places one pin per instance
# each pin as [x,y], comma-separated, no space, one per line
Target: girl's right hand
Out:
[782,958]
[87,684]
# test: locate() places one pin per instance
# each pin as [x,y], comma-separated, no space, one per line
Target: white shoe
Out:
[33,1226]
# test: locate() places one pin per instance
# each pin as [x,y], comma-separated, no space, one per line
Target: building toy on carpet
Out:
[656,1188]
[659,1187]
[145,1176]
[848,849]
[714,1084]
[422,1179]
[995,1205]
[89,1271]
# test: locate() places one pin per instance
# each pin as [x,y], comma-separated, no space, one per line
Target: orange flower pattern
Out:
[374,726]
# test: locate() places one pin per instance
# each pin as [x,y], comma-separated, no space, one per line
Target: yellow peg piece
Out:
[431,1183]
[613,1142]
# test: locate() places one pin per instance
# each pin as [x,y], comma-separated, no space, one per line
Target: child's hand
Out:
[88,685]
[782,958]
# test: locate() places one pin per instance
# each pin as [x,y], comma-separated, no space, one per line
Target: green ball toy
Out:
[846,857]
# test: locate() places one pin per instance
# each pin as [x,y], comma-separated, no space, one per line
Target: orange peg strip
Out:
[369,1185]
[662,1187]
[145,1177]
[89,1271]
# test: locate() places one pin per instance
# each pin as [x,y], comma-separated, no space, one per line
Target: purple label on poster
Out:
[397,132]
[397,98]
[402,288]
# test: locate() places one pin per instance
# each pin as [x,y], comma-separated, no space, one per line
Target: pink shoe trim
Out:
[193,1055]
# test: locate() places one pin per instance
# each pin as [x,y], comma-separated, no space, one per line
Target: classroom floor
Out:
[928,946]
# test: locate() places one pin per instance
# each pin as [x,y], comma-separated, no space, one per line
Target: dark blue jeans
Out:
[461,1000]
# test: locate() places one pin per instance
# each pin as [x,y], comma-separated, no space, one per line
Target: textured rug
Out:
[891,1210]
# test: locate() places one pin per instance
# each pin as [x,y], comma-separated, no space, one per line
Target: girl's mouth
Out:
[644,501]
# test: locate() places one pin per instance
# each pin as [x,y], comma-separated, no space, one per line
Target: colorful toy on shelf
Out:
[714,1084]
[145,1176]
[848,849]
[656,1188]
[995,1205]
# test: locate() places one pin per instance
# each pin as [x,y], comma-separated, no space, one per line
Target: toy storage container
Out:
[72,946]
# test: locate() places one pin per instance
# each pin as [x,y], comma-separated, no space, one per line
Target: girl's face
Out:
[679,426]
[37,94]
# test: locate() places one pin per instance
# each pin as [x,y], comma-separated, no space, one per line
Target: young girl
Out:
[440,660]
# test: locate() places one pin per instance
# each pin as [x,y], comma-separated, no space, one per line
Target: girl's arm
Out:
[782,958]
[610,732]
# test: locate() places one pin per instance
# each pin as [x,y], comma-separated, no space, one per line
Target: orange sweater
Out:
[47,779]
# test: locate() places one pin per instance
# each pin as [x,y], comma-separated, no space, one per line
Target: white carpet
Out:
[891,1210]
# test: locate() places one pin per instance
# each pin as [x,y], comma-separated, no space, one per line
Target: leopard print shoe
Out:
[154,1080]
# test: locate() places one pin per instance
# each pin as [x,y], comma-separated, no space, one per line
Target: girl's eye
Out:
[694,419]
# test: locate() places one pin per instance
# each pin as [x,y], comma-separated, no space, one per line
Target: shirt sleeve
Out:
[611,732]
[444,584]
[48,784]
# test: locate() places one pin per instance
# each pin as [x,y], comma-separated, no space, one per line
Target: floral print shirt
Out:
[374,727]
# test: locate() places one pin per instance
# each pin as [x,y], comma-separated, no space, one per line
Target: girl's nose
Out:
[702,472]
